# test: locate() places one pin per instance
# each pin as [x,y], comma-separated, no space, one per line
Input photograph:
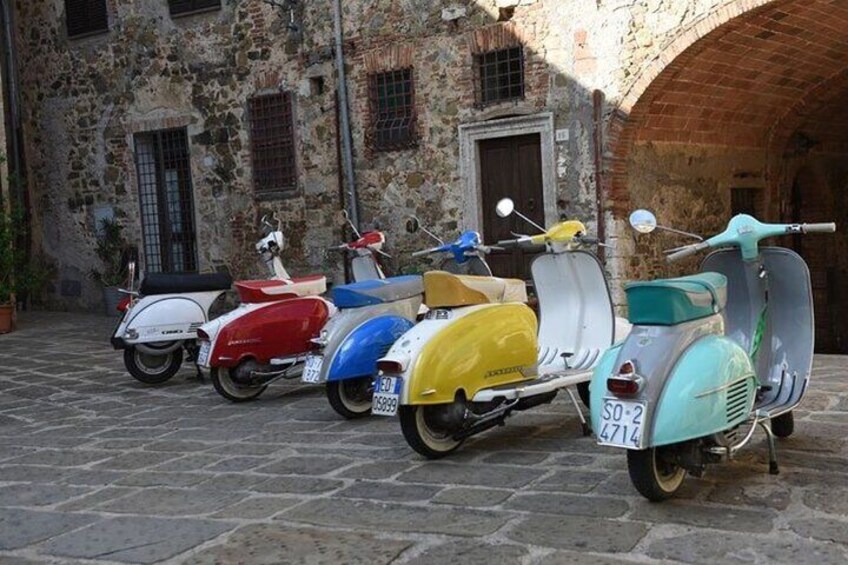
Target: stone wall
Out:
[85,98]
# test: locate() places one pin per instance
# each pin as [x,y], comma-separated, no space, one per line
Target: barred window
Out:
[499,75]
[272,143]
[85,17]
[392,101]
[744,201]
[188,6]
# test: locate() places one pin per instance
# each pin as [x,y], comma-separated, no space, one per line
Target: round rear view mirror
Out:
[643,221]
[412,224]
[505,207]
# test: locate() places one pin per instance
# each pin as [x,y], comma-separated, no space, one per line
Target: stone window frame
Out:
[405,123]
[87,29]
[205,7]
[290,189]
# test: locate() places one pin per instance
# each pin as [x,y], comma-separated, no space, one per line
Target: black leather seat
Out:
[168,283]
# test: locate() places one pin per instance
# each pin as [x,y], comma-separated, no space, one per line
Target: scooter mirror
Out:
[412,224]
[505,207]
[643,221]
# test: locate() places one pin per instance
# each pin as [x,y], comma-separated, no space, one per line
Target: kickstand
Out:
[766,426]
[587,431]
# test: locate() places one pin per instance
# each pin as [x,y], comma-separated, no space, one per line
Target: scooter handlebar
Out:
[425,251]
[687,251]
[818,228]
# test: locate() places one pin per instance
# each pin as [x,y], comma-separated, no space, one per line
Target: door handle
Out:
[531,204]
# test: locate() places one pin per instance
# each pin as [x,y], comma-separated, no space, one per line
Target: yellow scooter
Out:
[477,356]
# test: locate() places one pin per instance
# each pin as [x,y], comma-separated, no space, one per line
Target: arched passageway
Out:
[751,117]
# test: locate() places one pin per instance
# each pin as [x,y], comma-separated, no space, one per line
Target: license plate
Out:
[621,423]
[386,396]
[312,369]
[203,354]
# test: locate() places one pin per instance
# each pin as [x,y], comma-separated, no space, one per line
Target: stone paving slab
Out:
[98,468]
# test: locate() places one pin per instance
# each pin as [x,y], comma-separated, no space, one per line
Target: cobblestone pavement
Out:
[95,466]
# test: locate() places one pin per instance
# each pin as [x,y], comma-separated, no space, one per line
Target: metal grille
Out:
[167,207]
[499,75]
[737,401]
[272,143]
[83,17]
[187,6]
[392,100]
[743,201]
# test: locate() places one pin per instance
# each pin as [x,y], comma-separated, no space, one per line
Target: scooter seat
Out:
[666,302]
[446,290]
[272,290]
[377,291]
[172,283]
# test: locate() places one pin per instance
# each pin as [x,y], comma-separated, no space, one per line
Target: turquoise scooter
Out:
[710,358]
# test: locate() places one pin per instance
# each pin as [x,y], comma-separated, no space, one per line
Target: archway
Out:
[753,100]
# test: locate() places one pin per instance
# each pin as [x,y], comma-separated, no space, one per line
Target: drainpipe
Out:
[598,120]
[347,150]
[10,81]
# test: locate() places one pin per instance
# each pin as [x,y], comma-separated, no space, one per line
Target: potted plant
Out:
[112,251]
[13,277]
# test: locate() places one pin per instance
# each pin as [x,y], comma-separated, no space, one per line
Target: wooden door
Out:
[511,167]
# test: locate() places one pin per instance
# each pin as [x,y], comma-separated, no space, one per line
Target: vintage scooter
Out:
[161,319]
[372,315]
[269,336]
[710,358]
[477,356]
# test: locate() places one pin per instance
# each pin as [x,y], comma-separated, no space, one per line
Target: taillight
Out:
[626,382]
[124,304]
[389,366]
[202,334]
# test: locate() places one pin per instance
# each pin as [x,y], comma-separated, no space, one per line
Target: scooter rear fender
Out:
[356,356]
[711,389]
[467,349]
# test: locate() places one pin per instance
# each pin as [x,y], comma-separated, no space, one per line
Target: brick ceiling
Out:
[781,67]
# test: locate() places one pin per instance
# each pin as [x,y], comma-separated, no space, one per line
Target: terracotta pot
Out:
[5,318]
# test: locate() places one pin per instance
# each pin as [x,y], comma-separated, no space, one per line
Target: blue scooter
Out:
[372,316]
[710,358]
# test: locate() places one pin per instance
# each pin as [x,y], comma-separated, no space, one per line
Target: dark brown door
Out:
[511,167]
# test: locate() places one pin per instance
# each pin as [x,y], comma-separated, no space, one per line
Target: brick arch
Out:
[728,79]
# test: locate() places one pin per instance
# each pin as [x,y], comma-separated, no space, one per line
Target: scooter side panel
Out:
[278,329]
[166,317]
[487,347]
[695,399]
[358,353]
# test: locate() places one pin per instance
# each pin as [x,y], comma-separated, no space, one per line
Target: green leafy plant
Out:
[14,277]
[112,250]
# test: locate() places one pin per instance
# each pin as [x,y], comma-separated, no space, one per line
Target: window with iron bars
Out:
[86,17]
[272,144]
[179,7]
[392,101]
[744,201]
[167,206]
[499,75]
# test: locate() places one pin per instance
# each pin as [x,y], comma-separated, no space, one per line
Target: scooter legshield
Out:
[357,355]
[487,347]
[710,389]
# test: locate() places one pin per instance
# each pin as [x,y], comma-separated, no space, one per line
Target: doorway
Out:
[511,167]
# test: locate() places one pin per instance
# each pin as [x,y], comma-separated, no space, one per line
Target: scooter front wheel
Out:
[351,398]
[226,382]
[152,369]
[654,478]
[422,432]
[782,426]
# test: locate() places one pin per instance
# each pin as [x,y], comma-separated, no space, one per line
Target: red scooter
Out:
[270,334]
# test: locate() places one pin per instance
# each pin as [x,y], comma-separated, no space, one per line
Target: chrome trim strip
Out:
[725,386]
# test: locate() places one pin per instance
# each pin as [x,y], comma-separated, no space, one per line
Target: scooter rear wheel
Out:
[351,398]
[152,369]
[654,478]
[422,435]
[227,386]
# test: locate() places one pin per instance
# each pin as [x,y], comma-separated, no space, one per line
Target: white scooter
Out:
[161,319]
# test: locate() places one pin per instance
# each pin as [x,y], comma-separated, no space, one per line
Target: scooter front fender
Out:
[710,389]
[482,347]
[357,355]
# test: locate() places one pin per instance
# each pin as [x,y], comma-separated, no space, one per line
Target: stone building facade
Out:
[694,108]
